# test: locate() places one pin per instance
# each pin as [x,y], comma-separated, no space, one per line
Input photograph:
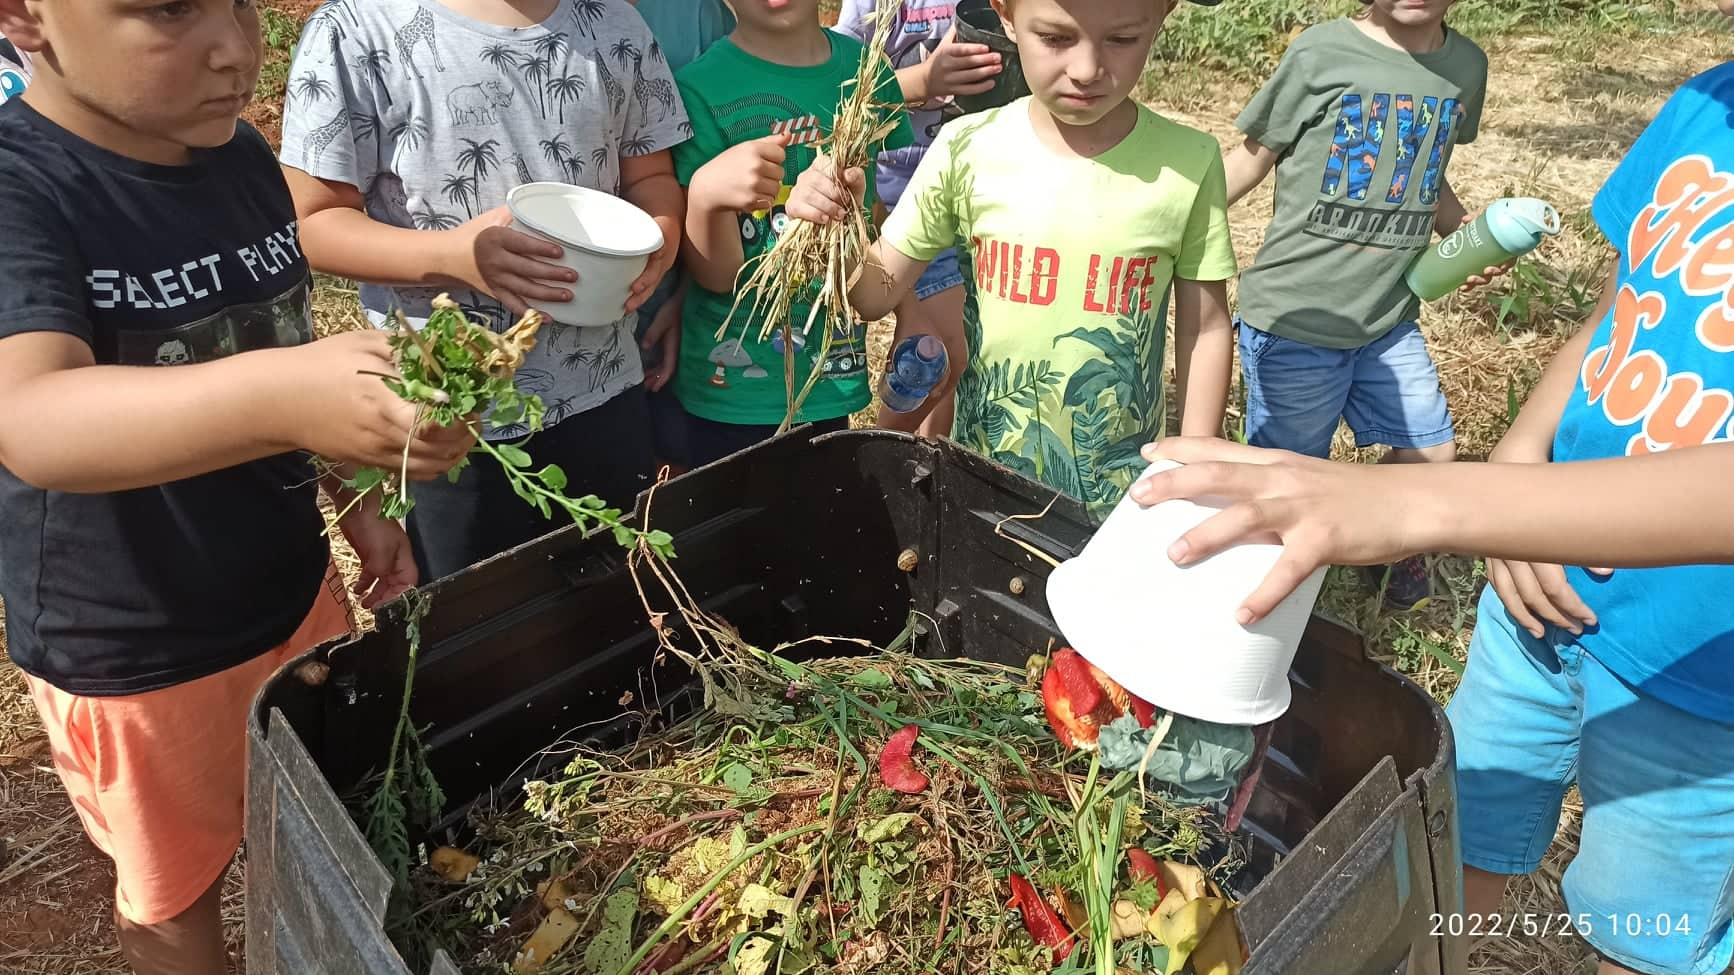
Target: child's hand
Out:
[508,264]
[387,563]
[659,265]
[346,413]
[819,197]
[955,68]
[1538,589]
[1324,513]
[744,179]
[664,331]
[1485,277]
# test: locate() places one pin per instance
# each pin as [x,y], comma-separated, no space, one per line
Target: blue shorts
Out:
[942,274]
[1652,885]
[1388,390]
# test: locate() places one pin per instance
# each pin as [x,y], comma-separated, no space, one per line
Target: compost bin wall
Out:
[1353,823]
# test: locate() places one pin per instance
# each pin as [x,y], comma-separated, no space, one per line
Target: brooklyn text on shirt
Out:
[1359,140]
[197,279]
[1112,283]
[1636,386]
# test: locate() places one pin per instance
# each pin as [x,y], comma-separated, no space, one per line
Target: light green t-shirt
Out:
[1071,259]
[732,97]
[1363,133]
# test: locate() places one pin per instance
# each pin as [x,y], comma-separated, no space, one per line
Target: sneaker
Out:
[1405,583]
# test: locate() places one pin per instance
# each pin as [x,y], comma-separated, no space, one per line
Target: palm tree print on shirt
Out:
[459,188]
[501,56]
[479,157]
[558,152]
[535,71]
[589,12]
[372,65]
[311,87]
[564,90]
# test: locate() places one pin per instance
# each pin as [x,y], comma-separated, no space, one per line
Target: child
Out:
[161,546]
[1619,680]
[759,100]
[407,123]
[1078,207]
[932,66]
[684,33]
[1359,123]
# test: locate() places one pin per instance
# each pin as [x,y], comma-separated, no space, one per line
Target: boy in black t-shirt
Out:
[160,542]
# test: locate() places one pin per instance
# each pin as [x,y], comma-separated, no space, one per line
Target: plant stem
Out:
[678,916]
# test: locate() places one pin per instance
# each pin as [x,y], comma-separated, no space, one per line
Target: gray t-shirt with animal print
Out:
[435,117]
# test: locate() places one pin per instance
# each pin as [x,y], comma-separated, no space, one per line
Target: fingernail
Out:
[1244,616]
[1179,552]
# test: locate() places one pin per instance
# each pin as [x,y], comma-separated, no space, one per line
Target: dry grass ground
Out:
[1563,103]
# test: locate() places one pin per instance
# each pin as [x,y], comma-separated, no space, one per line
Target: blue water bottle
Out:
[916,367]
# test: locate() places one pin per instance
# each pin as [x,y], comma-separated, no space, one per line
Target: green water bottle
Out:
[1505,231]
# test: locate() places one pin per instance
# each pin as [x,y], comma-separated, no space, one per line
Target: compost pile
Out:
[874,812]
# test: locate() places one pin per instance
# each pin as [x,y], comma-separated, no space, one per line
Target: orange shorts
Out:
[159,778]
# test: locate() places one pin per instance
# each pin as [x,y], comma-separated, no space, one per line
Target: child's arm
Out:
[1203,355]
[665,331]
[67,424]
[744,179]
[886,273]
[953,68]
[1537,592]
[1247,165]
[483,255]
[1365,514]
[648,183]
[1451,213]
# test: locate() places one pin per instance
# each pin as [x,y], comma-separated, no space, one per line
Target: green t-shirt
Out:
[1364,133]
[733,97]
[1071,260]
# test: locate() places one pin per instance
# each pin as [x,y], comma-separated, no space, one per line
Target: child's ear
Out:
[19,25]
[1003,8]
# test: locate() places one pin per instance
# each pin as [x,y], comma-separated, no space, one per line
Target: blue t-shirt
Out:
[1660,375]
[684,29]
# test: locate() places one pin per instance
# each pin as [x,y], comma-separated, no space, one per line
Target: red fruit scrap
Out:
[1123,700]
[896,767]
[1072,729]
[1040,919]
[1142,867]
[1079,677]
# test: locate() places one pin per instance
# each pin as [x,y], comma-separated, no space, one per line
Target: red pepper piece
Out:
[896,767]
[1142,866]
[1082,689]
[1042,922]
[1072,728]
[1123,701]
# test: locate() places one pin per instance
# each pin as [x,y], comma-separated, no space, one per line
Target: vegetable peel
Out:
[896,763]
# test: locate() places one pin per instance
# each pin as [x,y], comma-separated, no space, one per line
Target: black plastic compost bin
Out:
[1353,823]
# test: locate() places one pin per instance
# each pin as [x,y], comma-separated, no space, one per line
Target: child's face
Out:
[1082,58]
[776,16]
[1413,13]
[168,72]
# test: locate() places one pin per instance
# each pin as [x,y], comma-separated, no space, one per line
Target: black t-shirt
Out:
[131,591]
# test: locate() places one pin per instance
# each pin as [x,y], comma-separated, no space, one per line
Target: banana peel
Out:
[546,941]
[1220,952]
[1181,925]
[453,865]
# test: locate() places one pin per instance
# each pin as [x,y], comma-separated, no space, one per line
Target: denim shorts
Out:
[1296,392]
[1652,885]
[942,274]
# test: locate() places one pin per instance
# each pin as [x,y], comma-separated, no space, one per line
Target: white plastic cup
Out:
[1169,634]
[607,240]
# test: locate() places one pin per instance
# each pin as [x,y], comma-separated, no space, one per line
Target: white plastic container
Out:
[1169,634]
[607,240]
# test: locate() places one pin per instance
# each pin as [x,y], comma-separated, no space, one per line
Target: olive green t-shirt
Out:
[1363,133]
[732,97]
